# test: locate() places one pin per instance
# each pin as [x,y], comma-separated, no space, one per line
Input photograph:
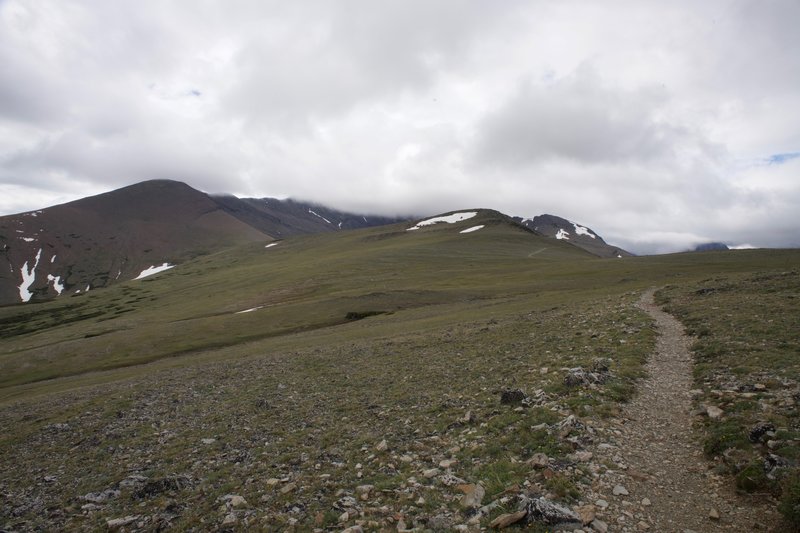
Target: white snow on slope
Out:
[28,239]
[153,270]
[270,245]
[562,234]
[28,277]
[320,216]
[59,288]
[449,219]
[581,230]
[470,230]
[249,310]
[52,259]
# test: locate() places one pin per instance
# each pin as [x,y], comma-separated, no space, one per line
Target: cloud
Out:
[652,123]
[578,119]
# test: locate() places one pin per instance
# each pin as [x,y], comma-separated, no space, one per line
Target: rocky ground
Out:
[515,421]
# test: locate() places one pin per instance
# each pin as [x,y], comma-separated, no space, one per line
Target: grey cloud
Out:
[639,119]
[578,119]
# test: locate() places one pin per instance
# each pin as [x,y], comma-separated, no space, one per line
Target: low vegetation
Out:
[373,377]
[747,330]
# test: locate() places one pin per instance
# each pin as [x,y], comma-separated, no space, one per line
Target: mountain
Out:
[285,218]
[573,233]
[116,236]
[711,247]
[151,226]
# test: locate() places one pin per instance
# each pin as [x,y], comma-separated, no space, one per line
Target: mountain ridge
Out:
[149,226]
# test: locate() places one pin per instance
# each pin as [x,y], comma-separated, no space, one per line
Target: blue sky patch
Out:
[778,159]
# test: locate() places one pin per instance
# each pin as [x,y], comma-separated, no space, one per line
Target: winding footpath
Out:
[659,480]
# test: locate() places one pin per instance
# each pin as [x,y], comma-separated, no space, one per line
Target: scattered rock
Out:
[544,511]
[510,396]
[599,374]
[759,430]
[364,491]
[646,502]
[539,460]
[505,520]
[160,485]
[208,441]
[117,523]
[289,487]
[440,523]
[447,463]
[450,480]
[430,473]
[587,513]
[382,446]
[619,490]
[713,412]
[234,500]
[713,514]
[599,526]
[473,495]
[100,497]
[581,456]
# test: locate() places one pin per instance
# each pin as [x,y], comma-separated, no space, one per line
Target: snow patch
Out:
[57,285]
[473,228]
[270,245]
[581,230]
[449,219]
[53,259]
[562,234]
[28,277]
[320,216]
[28,239]
[743,247]
[153,270]
[249,310]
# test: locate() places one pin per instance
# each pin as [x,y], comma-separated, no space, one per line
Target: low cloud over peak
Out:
[657,124]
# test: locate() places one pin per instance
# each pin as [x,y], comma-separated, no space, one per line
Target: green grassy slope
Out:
[358,337]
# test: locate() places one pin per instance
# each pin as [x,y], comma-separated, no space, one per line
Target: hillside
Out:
[431,374]
[573,233]
[101,240]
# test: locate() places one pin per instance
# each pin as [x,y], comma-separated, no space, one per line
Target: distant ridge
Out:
[115,236]
[146,228]
[573,233]
[711,247]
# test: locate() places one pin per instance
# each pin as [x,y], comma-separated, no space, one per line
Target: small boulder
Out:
[759,430]
[511,396]
[509,519]
[619,490]
[117,523]
[543,511]
[473,495]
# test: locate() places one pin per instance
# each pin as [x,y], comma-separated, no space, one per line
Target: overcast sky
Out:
[658,124]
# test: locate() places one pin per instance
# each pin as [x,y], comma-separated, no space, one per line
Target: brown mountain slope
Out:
[94,241]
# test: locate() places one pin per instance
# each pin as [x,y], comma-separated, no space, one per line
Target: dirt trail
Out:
[658,459]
